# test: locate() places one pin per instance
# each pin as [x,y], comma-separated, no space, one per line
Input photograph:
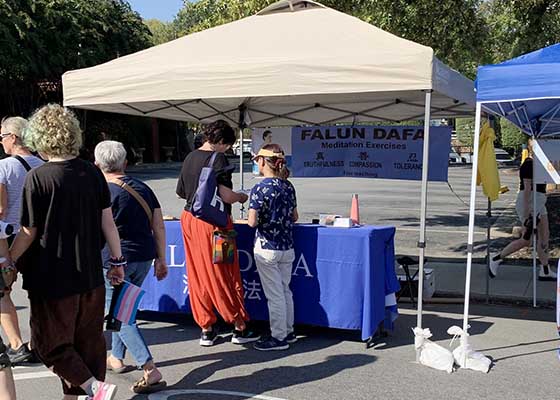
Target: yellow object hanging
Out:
[487,173]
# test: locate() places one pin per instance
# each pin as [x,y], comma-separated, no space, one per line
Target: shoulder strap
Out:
[212,159]
[23,162]
[136,195]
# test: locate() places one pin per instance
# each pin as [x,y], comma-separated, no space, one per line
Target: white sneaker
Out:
[494,265]
[546,274]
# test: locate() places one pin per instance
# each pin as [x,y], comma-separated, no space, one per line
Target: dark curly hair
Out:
[219,131]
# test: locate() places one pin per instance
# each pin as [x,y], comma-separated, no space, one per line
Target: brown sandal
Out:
[143,387]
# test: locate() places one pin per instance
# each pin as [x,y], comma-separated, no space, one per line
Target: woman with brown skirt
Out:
[212,286]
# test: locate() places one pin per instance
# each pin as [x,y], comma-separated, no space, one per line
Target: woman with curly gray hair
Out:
[65,217]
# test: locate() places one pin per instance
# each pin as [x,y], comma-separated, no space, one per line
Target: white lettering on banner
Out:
[302,264]
[172,263]
[186,282]
[216,199]
[249,260]
[246,262]
[252,290]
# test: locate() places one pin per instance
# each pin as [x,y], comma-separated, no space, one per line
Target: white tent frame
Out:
[529,127]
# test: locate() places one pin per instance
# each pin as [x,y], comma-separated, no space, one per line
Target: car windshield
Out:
[501,156]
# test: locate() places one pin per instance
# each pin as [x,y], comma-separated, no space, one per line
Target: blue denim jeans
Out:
[130,337]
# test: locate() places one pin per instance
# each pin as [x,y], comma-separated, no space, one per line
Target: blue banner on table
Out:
[340,276]
[386,152]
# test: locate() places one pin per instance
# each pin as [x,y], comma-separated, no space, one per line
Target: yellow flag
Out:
[487,173]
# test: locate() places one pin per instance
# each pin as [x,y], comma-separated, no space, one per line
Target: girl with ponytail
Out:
[273,211]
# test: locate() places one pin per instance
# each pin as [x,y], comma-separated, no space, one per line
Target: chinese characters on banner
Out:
[387,152]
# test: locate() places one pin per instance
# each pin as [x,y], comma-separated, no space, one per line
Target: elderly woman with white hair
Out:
[137,214]
[65,218]
[12,176]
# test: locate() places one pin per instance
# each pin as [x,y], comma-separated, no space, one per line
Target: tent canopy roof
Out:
[295,62]
[525,90]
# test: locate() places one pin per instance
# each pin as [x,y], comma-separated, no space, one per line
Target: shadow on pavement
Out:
[266,379]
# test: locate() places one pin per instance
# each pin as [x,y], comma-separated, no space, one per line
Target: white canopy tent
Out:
[294,63]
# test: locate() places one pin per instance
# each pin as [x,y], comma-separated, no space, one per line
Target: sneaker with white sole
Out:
[546,274]
[494,265]
[207,338]
[245,336]
[271,344]
[291,338]
[103,391]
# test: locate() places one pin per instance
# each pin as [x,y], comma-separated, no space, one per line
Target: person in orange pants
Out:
[212,286]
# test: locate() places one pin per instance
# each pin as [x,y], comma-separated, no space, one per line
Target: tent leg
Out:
[488,234]
[241,178]
[423,201]
[534,238]
[472,203]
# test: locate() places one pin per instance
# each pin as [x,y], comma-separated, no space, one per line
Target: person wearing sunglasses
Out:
[13,170]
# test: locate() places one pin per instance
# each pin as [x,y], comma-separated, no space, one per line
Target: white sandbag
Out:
[431,354]
[465,356]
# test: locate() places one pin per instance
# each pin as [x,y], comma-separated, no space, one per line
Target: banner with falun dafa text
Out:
[384,152]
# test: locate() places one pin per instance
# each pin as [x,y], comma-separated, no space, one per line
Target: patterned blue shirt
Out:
[275,201]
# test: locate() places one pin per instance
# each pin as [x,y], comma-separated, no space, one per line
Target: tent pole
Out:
[488,234]
[534,237]
[423,201]
[241,178]
[472,203]
[242,125]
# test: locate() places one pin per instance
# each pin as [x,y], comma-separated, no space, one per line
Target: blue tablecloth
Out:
[340,279]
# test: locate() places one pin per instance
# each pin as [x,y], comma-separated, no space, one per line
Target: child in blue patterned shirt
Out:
[273,211]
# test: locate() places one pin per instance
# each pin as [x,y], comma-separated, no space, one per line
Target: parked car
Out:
[247,147]
[503,157]
[455,158]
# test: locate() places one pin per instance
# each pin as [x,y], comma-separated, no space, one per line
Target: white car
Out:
[455,158]
[503,157]
[247,147]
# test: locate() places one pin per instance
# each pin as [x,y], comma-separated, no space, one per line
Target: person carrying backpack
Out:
[212,285]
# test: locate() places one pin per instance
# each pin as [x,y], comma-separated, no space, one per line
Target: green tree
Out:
[464,127]
[520,26]
[161,32]
[512,138]
[42,39]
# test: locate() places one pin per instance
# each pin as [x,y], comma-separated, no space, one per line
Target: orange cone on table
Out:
[355,210]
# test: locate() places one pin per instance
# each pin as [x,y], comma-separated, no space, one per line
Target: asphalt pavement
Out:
[382,202]
[335,364]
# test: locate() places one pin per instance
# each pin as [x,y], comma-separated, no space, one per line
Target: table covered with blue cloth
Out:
[341,277]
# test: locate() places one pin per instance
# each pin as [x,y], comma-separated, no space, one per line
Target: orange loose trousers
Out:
[211,286]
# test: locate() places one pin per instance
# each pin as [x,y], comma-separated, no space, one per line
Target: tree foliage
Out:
[520,26]
[160,31]
[511,137]
[42,39]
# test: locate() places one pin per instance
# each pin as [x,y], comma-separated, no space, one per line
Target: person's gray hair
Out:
[110,156]
[14,125]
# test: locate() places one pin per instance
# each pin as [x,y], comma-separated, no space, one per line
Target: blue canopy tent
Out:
[526,91]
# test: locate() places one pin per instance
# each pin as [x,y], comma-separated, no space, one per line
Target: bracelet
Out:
[116,262]
[8,268]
